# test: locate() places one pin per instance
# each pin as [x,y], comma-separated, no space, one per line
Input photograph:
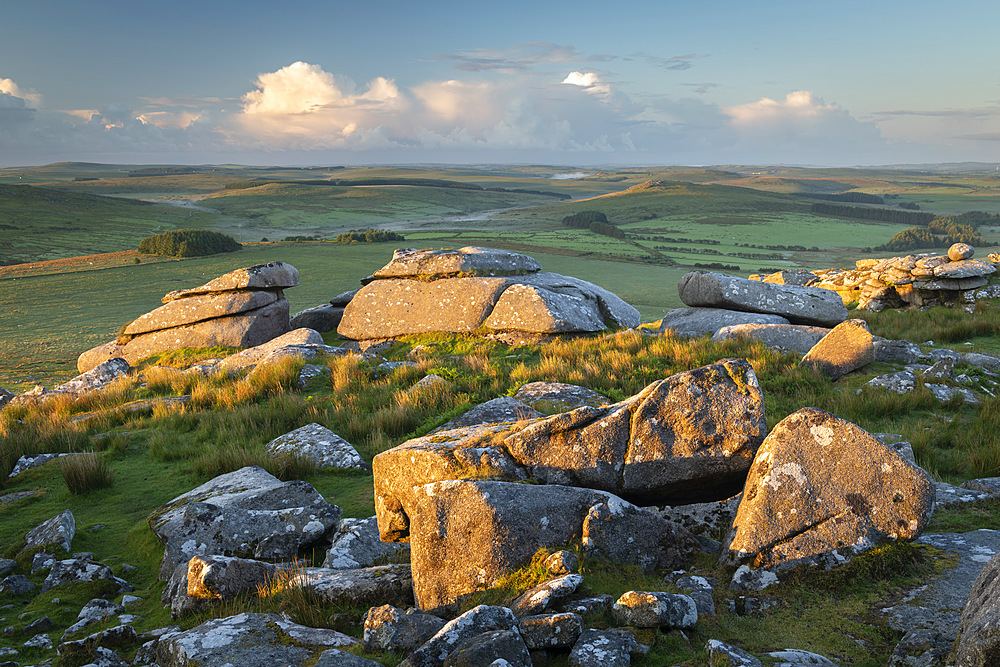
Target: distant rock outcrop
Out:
[242,308]
[462,290]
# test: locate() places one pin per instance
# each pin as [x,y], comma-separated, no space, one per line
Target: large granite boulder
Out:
[421,291]
[466,536]
[362,587]
[242,308]
[356,544]
[709,321]
[688,438]
[247,513]
[979,629]
[248,640]
[782,337]
[848,347]
[476,621]
[318,444]
[801,305]
[820,484]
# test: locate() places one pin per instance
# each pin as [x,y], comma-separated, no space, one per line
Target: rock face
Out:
[692,436]
[465,536]
[247,513]
[926,279]
[356,544]
[242,308]
[979,641]
[801,305]
[819,484]
[462,290]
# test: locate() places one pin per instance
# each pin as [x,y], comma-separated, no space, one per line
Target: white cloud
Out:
[589,81]
[31,98]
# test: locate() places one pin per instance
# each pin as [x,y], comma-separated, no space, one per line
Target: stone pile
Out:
[471,288]
[242,308]
[926,279]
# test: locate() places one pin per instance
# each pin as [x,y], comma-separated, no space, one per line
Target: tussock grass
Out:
[86,472]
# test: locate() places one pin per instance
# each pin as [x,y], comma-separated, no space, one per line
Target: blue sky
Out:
[581,83]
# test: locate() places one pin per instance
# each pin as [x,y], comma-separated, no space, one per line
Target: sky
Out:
[711,82]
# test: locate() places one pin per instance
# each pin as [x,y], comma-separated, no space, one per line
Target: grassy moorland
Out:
[153,454]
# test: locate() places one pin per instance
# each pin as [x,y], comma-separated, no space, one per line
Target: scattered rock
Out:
[990,485]
[59,530]
[604,648]
[75,570]
[89,649]
[724,655]
[545,595]
[93,612]
[920,647]
[367,586]
[902,382]
[253,355]
[561,562]
[593,606]
[793,657]
[215,577]
[700,590]
[356,544]
[390,629]
[496,646]
[643,609]
[495,411]
[547,631]
[7,566]
[42,624]
[16,584]
[846,348]
[782,337]
[902,351]
[320,445]
[322,318]
[474,622]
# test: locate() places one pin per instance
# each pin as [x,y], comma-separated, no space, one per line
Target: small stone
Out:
[643,609]
[725,655]
[747,579]
[562,562]
[960,251]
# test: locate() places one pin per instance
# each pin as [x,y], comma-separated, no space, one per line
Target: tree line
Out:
[188,243]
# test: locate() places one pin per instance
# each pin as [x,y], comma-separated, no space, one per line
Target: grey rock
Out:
[743,605]
[941,370]
[937,604]
[948,494]
[390,367]
[964,268]
[470,260]
[474,622]
[248,640]
[782,337]
[247,513]
[546,595]
[547,631]
[309,373]
[725,655]
[902,351]
[42,624]
[792,657]
[253,355]
[946,393]
[75,570]
[700,590]
[920,648]
[960,251]
[752,579]
[367,586]
[275,275]
[554,397]
[820,484]
[592,606]
[654,609]
[16,584]
[495,411]
[536,309]
[199,308]
[96,378]
[59,530]
[94,611]
[801,305]
[42,561]
[356,544]
[490,647]
[604,648]
[322,318]
[902,382]
[846,348]
[224,577]
[42,641]
[612,308]
[303,351]
[388,628]
[90,648]
[985,361]
[561,562]
[344,298]
[5,396]
[703,519]
[990,485]
[319,444]
[333,657]
[7,566]
[709,321]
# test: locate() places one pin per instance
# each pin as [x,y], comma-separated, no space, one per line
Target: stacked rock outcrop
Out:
[242,308]
[462,290]
[926,279]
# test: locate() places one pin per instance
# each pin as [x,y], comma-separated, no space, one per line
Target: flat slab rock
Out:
[554,397]
[247,640]
[368,586]
[708,321]
[198,308]
[782,337]
[938,604]
[471,260]
[275,275]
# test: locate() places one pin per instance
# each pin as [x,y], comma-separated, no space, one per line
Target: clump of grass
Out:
[86,472]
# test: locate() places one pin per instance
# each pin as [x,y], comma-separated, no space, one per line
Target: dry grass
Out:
[86,472]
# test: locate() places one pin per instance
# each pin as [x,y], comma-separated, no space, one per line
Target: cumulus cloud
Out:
[32,99]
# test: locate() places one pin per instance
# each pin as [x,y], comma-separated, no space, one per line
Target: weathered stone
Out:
[937,603]
[356,544]
[253,355]
[333,657]
[388,628]
[643,609]
[941,370]
[592,606]
[311,372]
[473,622]
[896,350]
[318,444]
[468,535]
[535,309]
[703,519]
[503,647]
[801,305]
[782,337]
[29,461]
[388,584]
[927,648]
[276,275]
[98,377]
[43,624]
[819,484]
[199,308]
[93,612]
[612,307]
[98,355]
[990,485]
[699,589]
[243,330]
[960,251]
[964,268]
[799,277]
[42,641]
[322,318]
[702,321]
[902,382]
[794,657]
[430,383]
[495,411]
[979,638]
[307,352]
[59,530]
[846,348]
[690,436]
[89,648]
[553,397]
[604,648]
[985,361]
[546,595]
[546,631]
[224,577]
[16,584]
[752,579]
[724,655]
[470,260]
[945,393]
[397,307]
[75,570]
[561,562]
[245,513]
[7,566]
[248,640]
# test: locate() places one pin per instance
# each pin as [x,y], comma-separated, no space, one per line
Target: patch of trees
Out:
[86,178]
[670,239]
[369,236]
[595,221]
[976,218]
[695,251]
[940,232]
[891,215]
[302,238]
[188,243]
[717,265]
[161,171]
[849,197]
[909,206]
[792,248]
